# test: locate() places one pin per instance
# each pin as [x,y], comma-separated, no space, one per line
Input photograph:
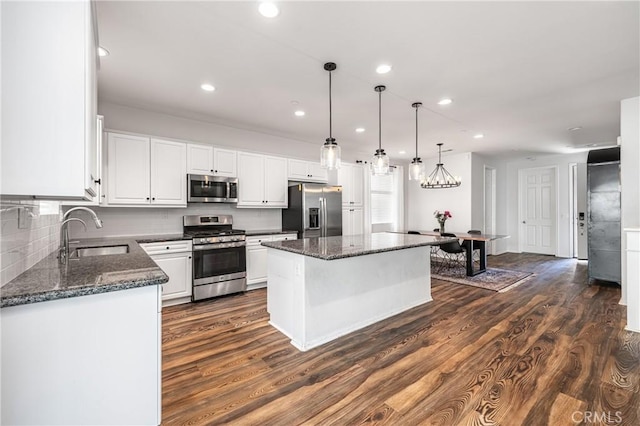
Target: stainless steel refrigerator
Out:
[315,210]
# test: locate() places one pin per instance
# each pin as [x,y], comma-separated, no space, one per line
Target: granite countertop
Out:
[49,280]
[331,248]
[268,232]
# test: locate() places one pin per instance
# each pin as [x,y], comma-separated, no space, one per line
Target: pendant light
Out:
[416,169]
[440,177]
[380,160]
[330,151]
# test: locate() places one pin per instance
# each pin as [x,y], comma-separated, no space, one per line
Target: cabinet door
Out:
[346,222]
[357,221]
[275,181]
[225,162]
[178,268]
[250,180]
[284,237]
[317,173]
[344,179]
[91,160]
[168,172]
[128,165]
[199,159]
[256,264]
[48,99]
[357,185]
[297,170]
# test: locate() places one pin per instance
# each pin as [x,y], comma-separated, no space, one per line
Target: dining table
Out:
[482,247]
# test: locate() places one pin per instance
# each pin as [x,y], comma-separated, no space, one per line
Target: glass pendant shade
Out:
[380,163]
[330,155]
[416,170]
[380,160]
[330,151]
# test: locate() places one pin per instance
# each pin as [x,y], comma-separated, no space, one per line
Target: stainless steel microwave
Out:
[212,189]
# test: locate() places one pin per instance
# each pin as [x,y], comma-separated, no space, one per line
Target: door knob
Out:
[524,221]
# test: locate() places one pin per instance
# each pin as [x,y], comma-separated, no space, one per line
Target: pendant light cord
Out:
[330,121]
[380,120]
[416,131]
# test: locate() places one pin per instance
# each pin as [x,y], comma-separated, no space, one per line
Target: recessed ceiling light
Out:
[478,136]
[445,101]
[383,69]
[360,130]
[299,113]
[268,9]
[207,87]
[573,129]
[102,51]
[402,152]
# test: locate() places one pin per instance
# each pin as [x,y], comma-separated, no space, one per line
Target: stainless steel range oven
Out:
[219,256]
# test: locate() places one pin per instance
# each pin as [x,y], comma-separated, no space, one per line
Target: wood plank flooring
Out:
[552,351]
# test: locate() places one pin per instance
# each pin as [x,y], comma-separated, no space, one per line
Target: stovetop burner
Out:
[213,233]
[206,229]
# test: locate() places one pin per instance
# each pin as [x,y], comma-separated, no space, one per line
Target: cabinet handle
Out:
[153,199]
[168,248]
[189,257]
[147,198]
[211,170]
[98,181]
[215,171]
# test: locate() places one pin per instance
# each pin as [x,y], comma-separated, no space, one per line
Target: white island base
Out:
[313,301]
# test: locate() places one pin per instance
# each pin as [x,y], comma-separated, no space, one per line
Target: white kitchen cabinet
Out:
[351,177]
[225,162]
[145,172]
[257,258]
[87,360]
[352,221]
[306,171]
[262,181]
[207,160]
[49,95]
[168,173]
[199,159]
[175,259]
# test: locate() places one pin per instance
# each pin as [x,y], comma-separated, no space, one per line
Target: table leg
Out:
[483,259]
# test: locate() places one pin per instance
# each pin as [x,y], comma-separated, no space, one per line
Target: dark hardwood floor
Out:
[552,351]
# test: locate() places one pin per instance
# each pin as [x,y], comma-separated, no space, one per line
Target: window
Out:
[386,201]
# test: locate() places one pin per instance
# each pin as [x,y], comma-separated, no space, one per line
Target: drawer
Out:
[167,247]
[255,240]
[285,237]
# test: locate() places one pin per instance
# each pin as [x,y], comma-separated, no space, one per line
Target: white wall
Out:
[629,174]
[562,162]
[421,203]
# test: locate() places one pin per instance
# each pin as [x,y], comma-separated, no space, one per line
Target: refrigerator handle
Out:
[323,218]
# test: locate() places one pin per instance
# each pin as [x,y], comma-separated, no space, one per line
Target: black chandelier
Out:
[440,177]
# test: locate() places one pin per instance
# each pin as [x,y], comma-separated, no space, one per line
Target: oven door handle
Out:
[219,246]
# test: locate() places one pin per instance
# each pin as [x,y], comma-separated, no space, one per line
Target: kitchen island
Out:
[320,289]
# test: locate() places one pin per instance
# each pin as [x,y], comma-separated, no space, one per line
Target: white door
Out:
[168,172]
[581,211]
[250,180]
[199,159]
[275,181]
[128,166]
[538,228]
[225,162]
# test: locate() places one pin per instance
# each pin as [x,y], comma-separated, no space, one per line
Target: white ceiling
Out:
[521,73]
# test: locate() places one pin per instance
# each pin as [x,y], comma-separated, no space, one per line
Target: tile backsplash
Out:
[20,249]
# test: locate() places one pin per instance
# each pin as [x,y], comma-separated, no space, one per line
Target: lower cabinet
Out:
[174,258]
[87,360]
[257,267]
[352,221]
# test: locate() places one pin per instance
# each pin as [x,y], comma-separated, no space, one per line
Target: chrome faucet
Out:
[64,230]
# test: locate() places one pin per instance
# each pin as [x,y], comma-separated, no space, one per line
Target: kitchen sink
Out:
[99,251]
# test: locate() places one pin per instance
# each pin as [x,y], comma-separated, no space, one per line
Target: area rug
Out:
[495,279]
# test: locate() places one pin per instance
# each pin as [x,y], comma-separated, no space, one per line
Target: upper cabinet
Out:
[207,160]
[144,171]
[49,129]
[199,159]
[262,181]
[351,177]
[306,171]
